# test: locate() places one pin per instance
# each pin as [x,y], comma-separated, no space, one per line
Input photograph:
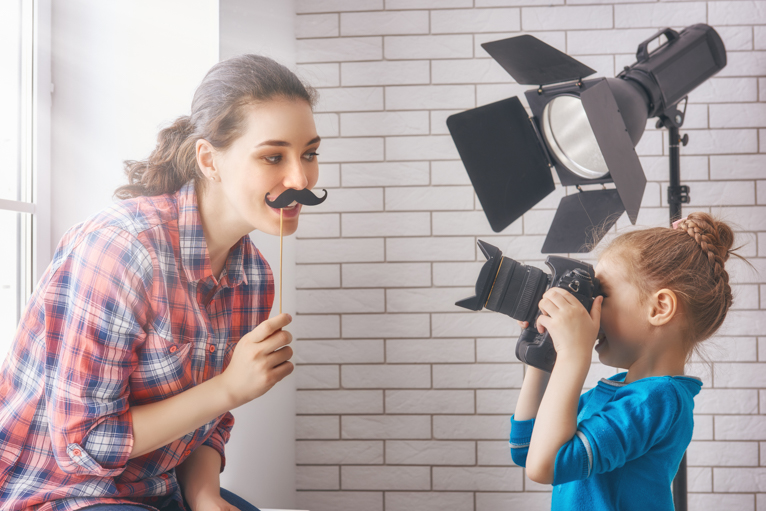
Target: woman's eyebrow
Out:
[280,143]
[283,143]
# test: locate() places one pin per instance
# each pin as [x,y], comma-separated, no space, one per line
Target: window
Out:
[20,62]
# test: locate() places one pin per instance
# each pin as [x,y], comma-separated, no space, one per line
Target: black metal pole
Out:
[679,487]
[677,195]
[674,200]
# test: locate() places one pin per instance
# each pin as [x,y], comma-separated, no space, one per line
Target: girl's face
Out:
[277,151]
[623,323]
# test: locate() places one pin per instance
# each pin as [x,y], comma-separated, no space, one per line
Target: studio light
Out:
[586,130]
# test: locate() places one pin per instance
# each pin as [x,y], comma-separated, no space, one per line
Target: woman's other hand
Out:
[260,360]
[212,503]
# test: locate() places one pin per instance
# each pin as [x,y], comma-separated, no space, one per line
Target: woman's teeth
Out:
[292,205]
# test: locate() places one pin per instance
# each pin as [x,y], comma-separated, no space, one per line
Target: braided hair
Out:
[688,259]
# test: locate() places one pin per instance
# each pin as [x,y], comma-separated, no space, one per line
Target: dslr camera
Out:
[515,289]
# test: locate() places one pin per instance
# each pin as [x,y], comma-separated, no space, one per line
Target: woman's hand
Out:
[573,330]
[260,360]
[211,503]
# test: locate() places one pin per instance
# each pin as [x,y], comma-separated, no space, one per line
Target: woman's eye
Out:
[310,156]
[273,159]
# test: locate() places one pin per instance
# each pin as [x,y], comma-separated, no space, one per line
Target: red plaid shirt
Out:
[128,313]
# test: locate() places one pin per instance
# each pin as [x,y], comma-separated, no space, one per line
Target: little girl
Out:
[618,446]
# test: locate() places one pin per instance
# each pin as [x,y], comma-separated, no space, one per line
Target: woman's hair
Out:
[687,259]
[217,115]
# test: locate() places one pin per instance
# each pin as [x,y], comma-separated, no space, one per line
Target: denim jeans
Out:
[234,500]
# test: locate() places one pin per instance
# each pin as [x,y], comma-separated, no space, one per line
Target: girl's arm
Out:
[522,422]
[556,422]
[573,331]
[532,391]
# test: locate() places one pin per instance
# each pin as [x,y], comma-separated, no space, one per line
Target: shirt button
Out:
[187,452]
[76,452]
[173,349]
[211,348]
[164,476]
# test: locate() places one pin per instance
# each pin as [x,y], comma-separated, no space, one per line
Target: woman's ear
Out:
[663,307]
[205,152]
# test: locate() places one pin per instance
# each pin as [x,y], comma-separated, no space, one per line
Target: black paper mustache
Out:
[304,196]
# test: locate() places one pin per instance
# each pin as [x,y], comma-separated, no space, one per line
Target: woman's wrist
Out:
[227,396]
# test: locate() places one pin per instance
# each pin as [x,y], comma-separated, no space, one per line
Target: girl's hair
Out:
[217,115]
[689,260]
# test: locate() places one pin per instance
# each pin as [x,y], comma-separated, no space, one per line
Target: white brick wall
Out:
[404,400]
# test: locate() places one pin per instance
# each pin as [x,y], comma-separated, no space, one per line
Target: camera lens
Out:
[517,290]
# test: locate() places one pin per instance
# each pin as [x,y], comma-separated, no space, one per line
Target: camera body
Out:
[515,289]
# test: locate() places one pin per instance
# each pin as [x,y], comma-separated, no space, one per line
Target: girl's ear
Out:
[663,307]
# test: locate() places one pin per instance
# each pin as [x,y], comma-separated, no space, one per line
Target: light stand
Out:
[678,194]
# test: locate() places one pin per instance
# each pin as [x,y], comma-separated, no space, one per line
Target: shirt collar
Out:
[618,380]
[194,254]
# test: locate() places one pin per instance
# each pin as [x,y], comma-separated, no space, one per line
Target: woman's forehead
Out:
[280,119]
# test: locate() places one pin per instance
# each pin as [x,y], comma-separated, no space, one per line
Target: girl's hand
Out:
[573,331]
[255,366]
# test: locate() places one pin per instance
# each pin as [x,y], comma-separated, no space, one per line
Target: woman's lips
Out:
[290,211]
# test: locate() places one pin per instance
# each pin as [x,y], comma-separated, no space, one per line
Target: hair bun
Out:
[715,235]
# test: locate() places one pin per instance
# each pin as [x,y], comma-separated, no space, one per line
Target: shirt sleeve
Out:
[521,435]
[625,429]
[95,306]
[220,436]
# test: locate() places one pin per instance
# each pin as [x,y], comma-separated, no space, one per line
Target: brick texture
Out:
[404,399]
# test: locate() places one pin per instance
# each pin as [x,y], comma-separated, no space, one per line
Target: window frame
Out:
[35,141]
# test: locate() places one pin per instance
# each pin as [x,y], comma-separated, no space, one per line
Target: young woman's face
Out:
[623,324]
[277,151]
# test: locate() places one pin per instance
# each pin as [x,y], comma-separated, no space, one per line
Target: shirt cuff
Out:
[521,435]
[521,432]
[220,436]
[574,461]
[105,449]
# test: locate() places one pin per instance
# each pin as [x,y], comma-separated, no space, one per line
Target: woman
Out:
[151,322]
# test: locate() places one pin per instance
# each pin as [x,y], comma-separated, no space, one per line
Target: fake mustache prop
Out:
[304,196]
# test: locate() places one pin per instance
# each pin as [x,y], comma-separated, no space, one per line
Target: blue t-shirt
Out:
[629,442]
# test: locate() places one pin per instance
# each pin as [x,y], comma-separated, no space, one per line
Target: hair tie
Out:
[675,224]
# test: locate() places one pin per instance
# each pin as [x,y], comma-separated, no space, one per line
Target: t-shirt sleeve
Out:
[521,435]
[95,306]
[625,429]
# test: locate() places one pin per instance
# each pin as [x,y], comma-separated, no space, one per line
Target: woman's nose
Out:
[296,176]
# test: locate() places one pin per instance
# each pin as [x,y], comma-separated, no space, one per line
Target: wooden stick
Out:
[280,261]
